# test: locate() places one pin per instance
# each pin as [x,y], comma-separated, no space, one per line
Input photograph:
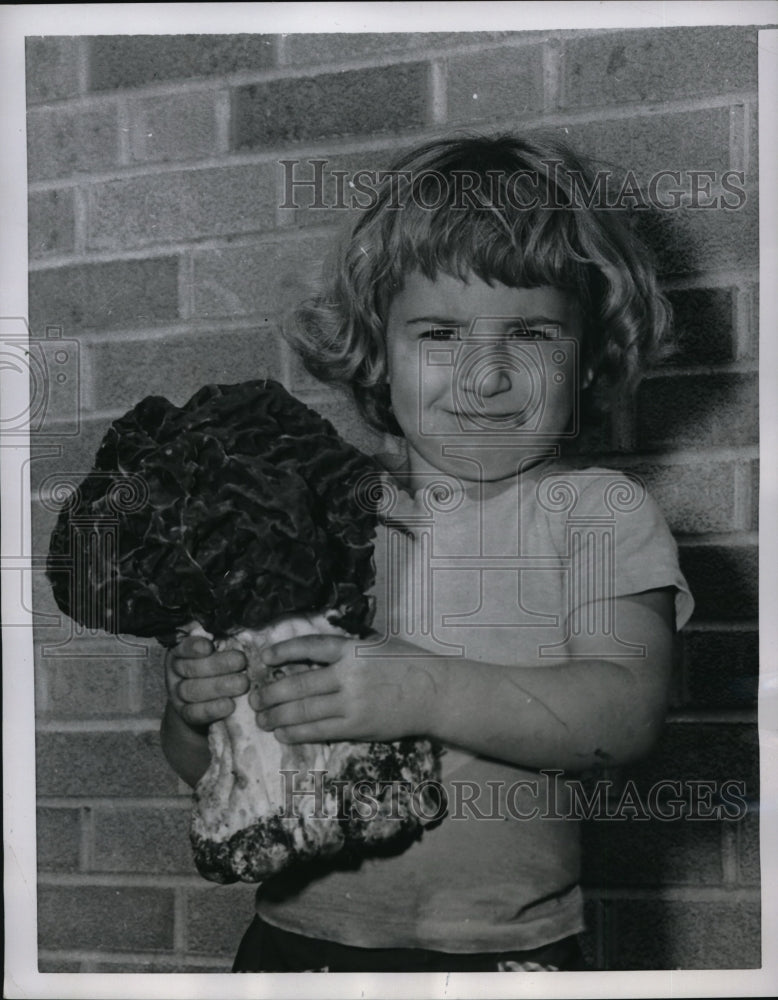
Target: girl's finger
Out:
[209,688]
[231,661]
[324,731]
[203,713]
[303,685]
[315,648]
[194,646]
[301,712]
[262,674]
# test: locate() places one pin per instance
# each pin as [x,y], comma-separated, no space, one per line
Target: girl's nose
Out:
[492,382]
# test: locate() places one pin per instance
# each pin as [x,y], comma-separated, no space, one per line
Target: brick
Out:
[494,83]
[749,864]
[721,668]
[703,326]
[105,295]
[85,688]
[51,68]
[96,764]
[217,918]
[300,49]
[59,839]
[674,934]
[177,366]
[153,694]
[77,444]
[264,278]
[183,205]
[174,127]
[51,223]
[651,853]
[63,142]
[134,60]
[687,752]
[646,144]
[664,64]
[698,410]
[694,498]
[105,917]
[353,102]
[338,408]
[723,579]
[143,840]
[686,240]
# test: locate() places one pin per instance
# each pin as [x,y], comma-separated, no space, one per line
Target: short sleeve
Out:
[621,538]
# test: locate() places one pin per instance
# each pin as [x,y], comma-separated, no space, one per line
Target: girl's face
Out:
[483,378]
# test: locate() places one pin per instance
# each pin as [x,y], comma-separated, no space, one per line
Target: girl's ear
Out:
[587,379]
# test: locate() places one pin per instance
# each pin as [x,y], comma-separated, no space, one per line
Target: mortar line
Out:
[222,109]
[438,86]
[185,282]
[123,126]
[180,936]
[86,858]
[552,75]
[151,251]
[142,958]
[280,49]
[748,137]
[80,220]
[743,497]
[729,863]
[111,804]
[82,66]
[121,880]
[737,137]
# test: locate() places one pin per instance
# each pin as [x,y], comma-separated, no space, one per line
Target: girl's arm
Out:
[583,710]
[185,747]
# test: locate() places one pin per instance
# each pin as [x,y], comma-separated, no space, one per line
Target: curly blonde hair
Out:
[509,209]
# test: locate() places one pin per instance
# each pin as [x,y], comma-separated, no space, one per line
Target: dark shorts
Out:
[265,948]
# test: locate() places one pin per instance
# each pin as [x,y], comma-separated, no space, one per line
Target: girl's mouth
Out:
[502,416]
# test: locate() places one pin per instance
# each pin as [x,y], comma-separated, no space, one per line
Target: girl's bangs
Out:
[520,248]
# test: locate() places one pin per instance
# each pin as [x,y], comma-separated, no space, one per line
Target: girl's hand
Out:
[202,683]
[352,696]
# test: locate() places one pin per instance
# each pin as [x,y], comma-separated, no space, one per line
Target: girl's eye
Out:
[526,333]
[441,333]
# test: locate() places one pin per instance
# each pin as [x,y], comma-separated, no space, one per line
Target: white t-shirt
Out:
[494,573]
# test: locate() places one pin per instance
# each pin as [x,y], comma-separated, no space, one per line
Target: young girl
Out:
[482,311]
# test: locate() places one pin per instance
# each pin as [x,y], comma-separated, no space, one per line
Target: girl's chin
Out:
[479,461]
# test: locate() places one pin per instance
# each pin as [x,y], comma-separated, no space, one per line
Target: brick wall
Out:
[157,243]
